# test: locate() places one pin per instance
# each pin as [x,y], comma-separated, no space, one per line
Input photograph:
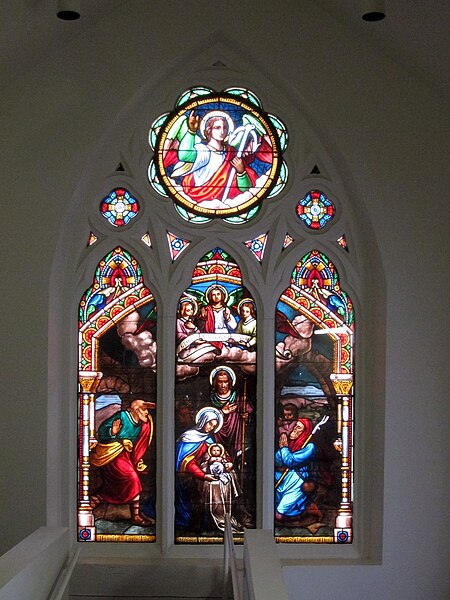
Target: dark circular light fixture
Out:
[373,16]
[373,11]
[68,15]
[68,10]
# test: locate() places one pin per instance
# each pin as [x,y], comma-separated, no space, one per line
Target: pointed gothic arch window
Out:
[215,403]
[117,404]
[216,345]
[314,405]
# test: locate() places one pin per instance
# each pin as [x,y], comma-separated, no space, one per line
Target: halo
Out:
[246,301]
[210,409]
[216,444]
[217,286]
[216,113]
[228,370]
[187,300]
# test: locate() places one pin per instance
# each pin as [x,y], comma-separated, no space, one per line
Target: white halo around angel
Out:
[211,115]
[228,370]
[246,301]
[188,300]
[207,414]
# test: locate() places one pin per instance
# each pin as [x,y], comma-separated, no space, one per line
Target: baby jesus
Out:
[223,495]
[218,463]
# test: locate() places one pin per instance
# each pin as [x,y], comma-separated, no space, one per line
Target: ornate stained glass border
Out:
[218,154]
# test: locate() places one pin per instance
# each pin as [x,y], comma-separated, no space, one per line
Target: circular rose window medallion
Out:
[218,155]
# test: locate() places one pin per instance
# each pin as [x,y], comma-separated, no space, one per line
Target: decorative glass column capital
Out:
[342,383]
[89,381]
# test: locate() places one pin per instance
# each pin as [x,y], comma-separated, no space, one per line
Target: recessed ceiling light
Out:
[68,10]
[373,16]
[373,11]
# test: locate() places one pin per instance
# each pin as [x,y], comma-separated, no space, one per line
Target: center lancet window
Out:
[215,403]
[216,171]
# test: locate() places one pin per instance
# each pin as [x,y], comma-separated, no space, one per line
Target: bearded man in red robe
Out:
[122,442]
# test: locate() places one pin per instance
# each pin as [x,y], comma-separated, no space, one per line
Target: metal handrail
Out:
[230,563]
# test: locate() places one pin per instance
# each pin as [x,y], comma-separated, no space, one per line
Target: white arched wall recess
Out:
[126,142]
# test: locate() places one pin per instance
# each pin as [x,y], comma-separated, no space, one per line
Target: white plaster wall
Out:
[392,133]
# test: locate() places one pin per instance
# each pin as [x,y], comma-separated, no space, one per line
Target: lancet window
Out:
[216,179]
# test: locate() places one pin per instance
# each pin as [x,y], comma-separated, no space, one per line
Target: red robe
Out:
[214,188]
[121,483]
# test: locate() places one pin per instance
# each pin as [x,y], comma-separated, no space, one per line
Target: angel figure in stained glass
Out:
[247,323]
[214,166]
[191,347]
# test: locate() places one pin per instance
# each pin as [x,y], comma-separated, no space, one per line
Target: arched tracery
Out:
[218,331]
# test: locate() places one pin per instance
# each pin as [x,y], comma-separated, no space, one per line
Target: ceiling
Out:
[415,33]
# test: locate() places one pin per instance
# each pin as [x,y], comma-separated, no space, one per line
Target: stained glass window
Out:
[257,246]
[215,410]
[176,245]
[246,94]
[315,210]
[218,155]
[243,217]
[280,181]
[281,130]
[155,180]
[117,404]
[288,239]
[147,240]
[191,217]
[314,406]
[119,207]
[192,93]
[342,241]
[92,239]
